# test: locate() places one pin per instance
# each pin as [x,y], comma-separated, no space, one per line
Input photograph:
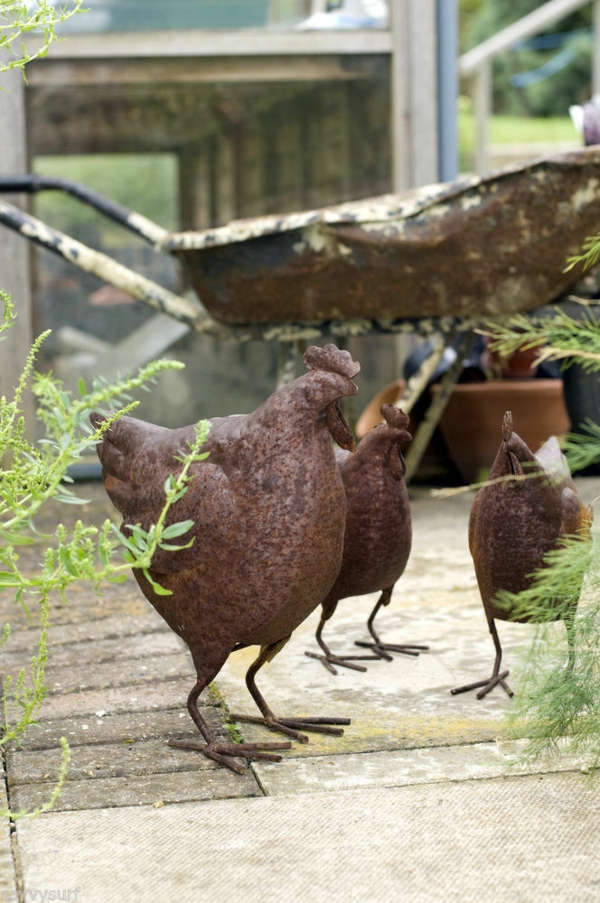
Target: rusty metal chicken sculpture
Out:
[268,507]
[378,532]
[513,524]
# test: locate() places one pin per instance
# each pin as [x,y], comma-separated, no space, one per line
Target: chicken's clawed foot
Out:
[345,661]
[233,754]
[487,685]
[377,645]
[292,727]
[383,650]
[498,677]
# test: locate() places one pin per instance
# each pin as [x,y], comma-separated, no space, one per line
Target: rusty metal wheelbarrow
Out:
[441,258]
[477,247]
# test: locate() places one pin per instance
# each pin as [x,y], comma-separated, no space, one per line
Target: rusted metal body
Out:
[514,523]
[434,257]
[378,530]
[268,507]
[476,247]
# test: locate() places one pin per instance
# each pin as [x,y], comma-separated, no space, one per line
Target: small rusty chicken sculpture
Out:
[269,509]
[514,524]
[378,532]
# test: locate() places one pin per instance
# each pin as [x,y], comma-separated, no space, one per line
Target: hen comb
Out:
[331,358]
[395,416]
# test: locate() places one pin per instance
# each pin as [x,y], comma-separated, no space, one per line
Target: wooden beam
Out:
[142,118]
[203,70]
[218,42]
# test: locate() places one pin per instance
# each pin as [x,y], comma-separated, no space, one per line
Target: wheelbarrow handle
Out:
[102,266]
[30,183]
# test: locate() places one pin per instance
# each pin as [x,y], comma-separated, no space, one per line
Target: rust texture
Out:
[513,524]
[476,247]
[268,507]
[378,531]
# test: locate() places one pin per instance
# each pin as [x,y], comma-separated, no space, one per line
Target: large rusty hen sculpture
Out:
[513,524]
[378,531]
[268,507]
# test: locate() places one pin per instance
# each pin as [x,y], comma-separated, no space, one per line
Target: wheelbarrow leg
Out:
[432,417]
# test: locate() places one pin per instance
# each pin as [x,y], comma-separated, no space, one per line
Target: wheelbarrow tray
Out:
[484,247]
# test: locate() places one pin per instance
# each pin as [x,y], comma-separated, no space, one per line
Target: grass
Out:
[525,130]
[513,130]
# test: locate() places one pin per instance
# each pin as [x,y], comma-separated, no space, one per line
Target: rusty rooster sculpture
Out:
[269,512]
[514,524]
[378,532]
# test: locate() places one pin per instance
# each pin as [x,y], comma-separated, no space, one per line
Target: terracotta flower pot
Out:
[371,416]
[471,423]
[518,365]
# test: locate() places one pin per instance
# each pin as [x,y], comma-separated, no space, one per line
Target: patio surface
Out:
[418,800]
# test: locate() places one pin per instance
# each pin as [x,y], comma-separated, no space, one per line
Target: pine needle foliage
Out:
[558,336]
[559,697]
[559,693]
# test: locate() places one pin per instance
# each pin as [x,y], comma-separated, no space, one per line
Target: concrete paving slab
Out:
[477,761]
[122,727]
[8,884]
[403,814]
[103,760]
[131,672]
[83,605]
[159,695]
[518,839]
[205,781]
[403,703]
[97,649]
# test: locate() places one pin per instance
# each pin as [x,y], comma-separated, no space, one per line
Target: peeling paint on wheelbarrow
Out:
[443,257]
[477,247]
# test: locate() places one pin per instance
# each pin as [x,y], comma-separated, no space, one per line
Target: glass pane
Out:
[161,15]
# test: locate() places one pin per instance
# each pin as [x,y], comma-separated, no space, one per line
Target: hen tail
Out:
[136,459]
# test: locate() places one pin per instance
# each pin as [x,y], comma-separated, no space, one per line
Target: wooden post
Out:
[483,108]
[400,124]
[15,276]
[413,74]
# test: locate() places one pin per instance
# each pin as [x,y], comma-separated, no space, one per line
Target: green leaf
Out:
[170,548]
[64,555]
[116,578]
[177,529]
[129,544]
[16,539]
[158,589]
[70,499]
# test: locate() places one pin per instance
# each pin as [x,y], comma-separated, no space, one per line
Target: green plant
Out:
[19,17]
[560,699]
[542,75]
[31,475]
